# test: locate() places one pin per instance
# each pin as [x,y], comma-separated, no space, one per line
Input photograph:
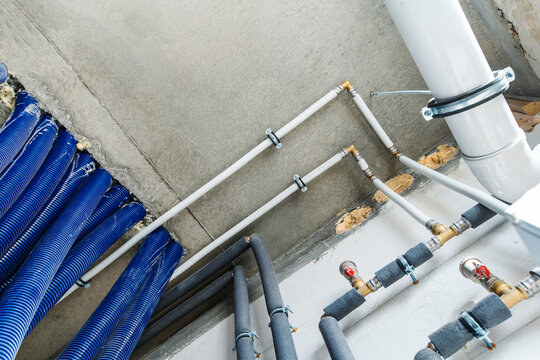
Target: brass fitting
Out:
[351,150]
[500,287]
[446,234]
[360,285]
[438,229]
[347,85]
[349,270]
[515,296]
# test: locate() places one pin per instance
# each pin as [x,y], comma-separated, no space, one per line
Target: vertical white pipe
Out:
[451,61]
[208,186]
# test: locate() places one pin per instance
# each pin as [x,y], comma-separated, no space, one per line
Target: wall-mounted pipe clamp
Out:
[285,310]
[407,268]
[274,138]
[300,183]
[470,99]
[247,334]
[83,284]
[477,328]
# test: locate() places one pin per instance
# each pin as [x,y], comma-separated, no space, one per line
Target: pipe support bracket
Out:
[477,328]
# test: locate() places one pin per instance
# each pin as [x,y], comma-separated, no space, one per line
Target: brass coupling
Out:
[438,229]
[347,85]
[351,150]
[514,297]
[446,234]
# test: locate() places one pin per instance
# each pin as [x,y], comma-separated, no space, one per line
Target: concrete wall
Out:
[393,323]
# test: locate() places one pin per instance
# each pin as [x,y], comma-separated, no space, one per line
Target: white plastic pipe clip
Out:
[470,99]
[301,184]
[408,268]
[476,327]
[274,138]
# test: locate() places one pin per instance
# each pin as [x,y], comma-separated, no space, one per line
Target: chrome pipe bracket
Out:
[300,183]
[407,268]
[273,138]
[470,99]
[477,328]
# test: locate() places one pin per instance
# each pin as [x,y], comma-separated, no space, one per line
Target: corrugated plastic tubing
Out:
[22,298]
[22,212]
[114,198]
[18,127]
[85,253]
[92,336]
[125,336]
[81,167]
[21,171]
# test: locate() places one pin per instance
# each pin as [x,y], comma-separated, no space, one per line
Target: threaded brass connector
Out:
[438,229]
[446,235]
[514,297]
[347,85]
[360,285]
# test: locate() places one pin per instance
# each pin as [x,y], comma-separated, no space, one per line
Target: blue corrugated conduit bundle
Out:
[85,253]
[125,336]
[21,300]
[15,220]
[114,198]
[92,336]
[21,171]
[3,72]
[17,128]
[81,167]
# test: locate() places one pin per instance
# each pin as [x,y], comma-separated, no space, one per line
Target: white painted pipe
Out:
[207,187]
[371,119]
[451,61]
[256,215]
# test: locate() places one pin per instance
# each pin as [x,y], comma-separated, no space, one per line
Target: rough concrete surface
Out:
[171,93]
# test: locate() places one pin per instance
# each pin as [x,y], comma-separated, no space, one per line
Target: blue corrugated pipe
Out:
[92,336]
[85,253]
[125,336]
[81,167]
[18,127]
[17,176]
[3,72]
[114,198]
[22,298]
[19,215]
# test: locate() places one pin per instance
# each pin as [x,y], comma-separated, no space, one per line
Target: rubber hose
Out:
[21,171]
[114,198]
[18,127]
[81,167]
[21,213]
[92,336]
[85,253]
[22,298]
[125,336]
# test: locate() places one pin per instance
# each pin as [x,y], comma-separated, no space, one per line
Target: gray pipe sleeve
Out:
[345,304]
[491,311]
[242,319]
[335,341]
[427,354]
[185,308]
[392,272]
[279,322]
[478,214]
[213,267]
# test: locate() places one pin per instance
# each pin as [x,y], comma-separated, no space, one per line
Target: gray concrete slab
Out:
[171,93]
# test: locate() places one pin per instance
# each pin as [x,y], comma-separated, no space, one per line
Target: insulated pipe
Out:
[451,61]
[113,199]
[81,167]
[213,267]
[21,300]
[243,335]
[257,214]
[18,127]
[335,341]
[124,338]
[23,211]
[213,183]
[185,308]
[85,253]
[21,171]
[279,319]
[93,334]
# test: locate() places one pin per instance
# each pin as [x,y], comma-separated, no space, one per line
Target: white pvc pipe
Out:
[451,61]
[207,187]
[372,120]
[256,215]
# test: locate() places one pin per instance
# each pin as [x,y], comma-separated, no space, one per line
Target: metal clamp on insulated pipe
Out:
[244,336]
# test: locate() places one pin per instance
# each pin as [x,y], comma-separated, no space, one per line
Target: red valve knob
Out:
[349,272]
[482,271]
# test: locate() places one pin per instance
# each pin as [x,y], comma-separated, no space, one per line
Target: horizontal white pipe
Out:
[409,208]
[372,120]
[207,187]
[477,195]
[256,215]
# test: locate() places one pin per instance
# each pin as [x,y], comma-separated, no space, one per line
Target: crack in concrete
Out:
[131,139]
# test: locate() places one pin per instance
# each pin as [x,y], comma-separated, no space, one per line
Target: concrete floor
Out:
[169,95]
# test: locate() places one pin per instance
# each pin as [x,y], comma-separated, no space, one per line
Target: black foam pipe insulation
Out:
[335,341]
[392,272]
[244,347]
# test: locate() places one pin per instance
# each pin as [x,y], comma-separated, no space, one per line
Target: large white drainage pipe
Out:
[449,57]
